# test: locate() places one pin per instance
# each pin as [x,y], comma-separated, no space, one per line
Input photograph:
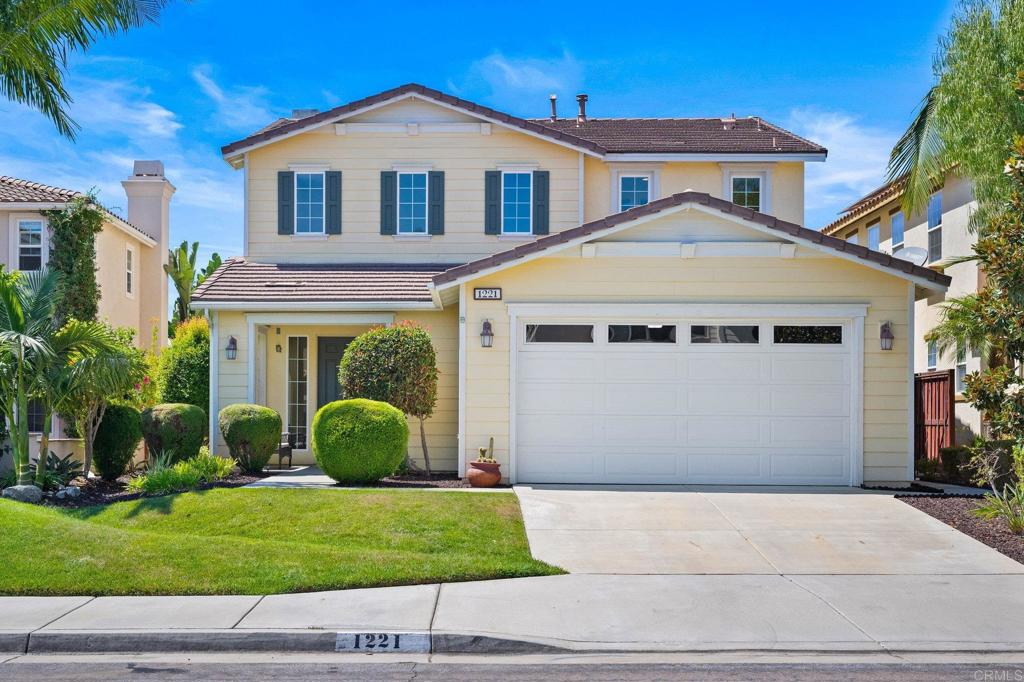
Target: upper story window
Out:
[933,354]
[746,191]
[634,190]
[874,236]
[935,227]
[129,272]
[309,203]
[412,203]
[961,368]
[516,203]
[30,244]
[853,237]
[898,227]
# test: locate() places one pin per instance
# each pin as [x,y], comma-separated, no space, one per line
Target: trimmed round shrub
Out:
[185,364]
[117,437]
[252,433]
[174,428]
[359,441]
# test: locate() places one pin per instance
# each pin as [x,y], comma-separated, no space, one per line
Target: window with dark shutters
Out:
[388,202]
[492,202]
[285,202]
[435,199]
[332,201]
[541,201]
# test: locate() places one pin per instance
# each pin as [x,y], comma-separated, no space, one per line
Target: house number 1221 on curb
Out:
[383,642]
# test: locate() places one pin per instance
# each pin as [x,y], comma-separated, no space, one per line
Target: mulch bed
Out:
[914,487]
[97,491]
[956,512]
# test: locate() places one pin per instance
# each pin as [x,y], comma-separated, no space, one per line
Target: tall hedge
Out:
[359,441]
[185,365]
[117,437]
[177,428]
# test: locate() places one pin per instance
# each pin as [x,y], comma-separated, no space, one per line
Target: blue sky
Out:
[847,75]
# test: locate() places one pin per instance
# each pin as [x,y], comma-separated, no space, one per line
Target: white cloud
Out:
[241,107]
[522,82]
[858,156]
[121,107]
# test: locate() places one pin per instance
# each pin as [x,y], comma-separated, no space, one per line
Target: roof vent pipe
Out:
[554,109]
[581,117]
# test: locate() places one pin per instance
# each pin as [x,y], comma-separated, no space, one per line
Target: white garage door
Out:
[748,402]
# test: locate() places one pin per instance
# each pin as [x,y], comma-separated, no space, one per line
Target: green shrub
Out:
[185,365]
[174,427]
[1008,505]
[187,475]
[252,433]
[359,441]
[117,437]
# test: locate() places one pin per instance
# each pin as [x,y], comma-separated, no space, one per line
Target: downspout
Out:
[462,380]
[911,408]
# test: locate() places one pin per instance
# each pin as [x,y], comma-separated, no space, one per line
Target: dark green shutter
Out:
[435,197]
[492,202]
[332,201]
[285,202]
[541,201]
[388,202]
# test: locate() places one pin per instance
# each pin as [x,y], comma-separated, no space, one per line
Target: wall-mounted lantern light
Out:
[231,350]
[486,334]
[885,336]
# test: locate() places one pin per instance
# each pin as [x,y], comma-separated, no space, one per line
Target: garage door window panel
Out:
[641,333]
[822,335]
[559,333]
[725,333]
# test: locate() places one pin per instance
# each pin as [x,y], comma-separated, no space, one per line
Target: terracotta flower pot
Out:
[484,474]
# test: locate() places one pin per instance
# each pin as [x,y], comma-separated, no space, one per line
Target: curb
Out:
[13,642]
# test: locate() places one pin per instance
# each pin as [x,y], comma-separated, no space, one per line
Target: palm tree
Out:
[181,268]
[919,158]
[31,345]
[38,36]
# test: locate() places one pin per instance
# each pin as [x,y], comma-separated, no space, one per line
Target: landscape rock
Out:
[24,493]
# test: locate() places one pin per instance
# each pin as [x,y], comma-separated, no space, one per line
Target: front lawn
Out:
[263,541]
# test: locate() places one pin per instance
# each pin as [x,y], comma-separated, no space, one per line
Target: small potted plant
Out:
[484,471]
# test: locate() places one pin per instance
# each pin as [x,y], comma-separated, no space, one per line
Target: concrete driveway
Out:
[756,531]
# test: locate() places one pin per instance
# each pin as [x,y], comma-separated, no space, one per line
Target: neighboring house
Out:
[130,254]
[609,299]
[942,231]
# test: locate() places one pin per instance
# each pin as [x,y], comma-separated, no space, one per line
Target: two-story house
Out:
[130,255]
[939,233]
[612,300]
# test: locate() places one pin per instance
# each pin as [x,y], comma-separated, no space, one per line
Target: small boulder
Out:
[24,493]
[72,491]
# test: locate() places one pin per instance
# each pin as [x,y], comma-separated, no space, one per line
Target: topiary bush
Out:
[185,364]
[359,441]
[117,437]
[252,433]
[174,428]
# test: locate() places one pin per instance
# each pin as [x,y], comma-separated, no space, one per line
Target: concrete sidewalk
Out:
[577,613]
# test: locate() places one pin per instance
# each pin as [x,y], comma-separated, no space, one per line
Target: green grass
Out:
[263,541]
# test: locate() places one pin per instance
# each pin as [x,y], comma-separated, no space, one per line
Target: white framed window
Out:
[309,202]
[933,355]
[297,400]
[746,191]
[961,368]
[516,202]
[412,203]
[129,272]
[853,237]
[634,190]
[935,227]
[898,227]
[29,245]
[874,235]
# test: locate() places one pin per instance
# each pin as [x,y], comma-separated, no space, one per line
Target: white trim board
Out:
[286,306]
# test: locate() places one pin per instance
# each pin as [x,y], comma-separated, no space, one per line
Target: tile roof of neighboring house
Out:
[600,136]
[869,202]
[686,135]
[18,191]
[239,280]
[727,207]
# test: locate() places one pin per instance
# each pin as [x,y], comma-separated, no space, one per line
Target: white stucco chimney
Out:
[149,198]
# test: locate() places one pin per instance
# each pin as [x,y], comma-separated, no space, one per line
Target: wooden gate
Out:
[933,413]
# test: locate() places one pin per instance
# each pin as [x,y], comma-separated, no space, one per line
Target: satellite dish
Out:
[915,254]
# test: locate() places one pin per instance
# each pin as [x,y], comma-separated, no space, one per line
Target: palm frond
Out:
[919,155]
[960,327]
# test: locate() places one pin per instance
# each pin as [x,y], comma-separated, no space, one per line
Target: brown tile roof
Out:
[869,202]
[686,135]
[601,136]
[16,190]
[727,207]
[241,281]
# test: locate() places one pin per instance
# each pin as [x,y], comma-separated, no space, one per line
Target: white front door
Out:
[757,401]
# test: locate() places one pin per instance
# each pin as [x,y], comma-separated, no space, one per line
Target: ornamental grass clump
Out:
[164,479]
